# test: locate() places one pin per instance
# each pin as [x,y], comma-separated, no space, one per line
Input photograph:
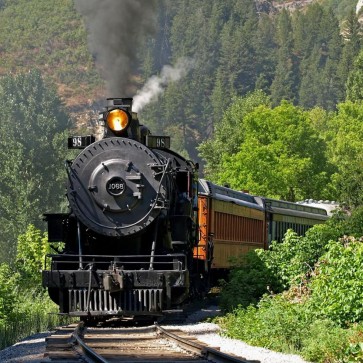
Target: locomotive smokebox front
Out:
[117,186]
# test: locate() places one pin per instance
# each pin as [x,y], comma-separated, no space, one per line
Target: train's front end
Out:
[119,255]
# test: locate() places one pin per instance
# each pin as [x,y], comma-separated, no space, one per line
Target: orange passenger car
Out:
[231,223]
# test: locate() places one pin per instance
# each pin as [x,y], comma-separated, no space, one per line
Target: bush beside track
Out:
[25,307]
[302,296]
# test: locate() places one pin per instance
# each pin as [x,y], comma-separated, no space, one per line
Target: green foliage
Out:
[320,315]
[285,264]
[342,8]
[354,353]
[236,49]
[229,132]
[276,323]
[344,144]
[337,288]
[30,259]
[288,153]
[293,260]
[354,225]
[20,286]
[280,324]
[8,293]
[33,313]
[31,160]
[24,306]
[249,279]
[280,156]
[319,43]
[351,28]
[355,80]
[294,56]
[325,342]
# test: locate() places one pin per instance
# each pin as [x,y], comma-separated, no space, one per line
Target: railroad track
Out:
[76,343]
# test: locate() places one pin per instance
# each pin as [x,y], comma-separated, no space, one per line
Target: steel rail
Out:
[86,350]
[208,353]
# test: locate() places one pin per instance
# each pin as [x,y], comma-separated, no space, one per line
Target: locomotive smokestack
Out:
[123,102]
[115,29]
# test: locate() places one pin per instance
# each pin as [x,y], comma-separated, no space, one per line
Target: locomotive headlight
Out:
[117,120]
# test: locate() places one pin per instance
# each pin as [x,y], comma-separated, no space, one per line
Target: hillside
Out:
[50,35]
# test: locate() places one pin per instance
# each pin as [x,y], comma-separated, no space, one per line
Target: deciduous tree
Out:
[345,150]
[280,156]
[229,133]
[31,156]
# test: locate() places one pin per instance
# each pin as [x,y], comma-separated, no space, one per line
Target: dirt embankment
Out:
[292,5]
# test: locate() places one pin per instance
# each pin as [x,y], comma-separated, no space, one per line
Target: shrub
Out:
[317,317]
[30,258]
[34,313]
[337,287]
[249,279]
[325,342]
[8,293]
[276,323]
[288,326]
[283,265]
[354,225]
[293,260]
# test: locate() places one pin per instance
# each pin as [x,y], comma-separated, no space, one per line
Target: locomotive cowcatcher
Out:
[130,231]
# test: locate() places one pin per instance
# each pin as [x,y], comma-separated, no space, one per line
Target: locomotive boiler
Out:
[130,232]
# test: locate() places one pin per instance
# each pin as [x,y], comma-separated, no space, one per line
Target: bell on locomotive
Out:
[130,229]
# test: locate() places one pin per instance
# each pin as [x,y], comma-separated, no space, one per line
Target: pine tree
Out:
[352,35]
[265,51]
[283,86]
[355,80]
[319,46]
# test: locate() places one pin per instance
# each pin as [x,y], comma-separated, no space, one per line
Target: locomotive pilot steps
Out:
[143,234]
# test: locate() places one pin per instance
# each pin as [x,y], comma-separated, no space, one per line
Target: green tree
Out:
[345,152]
[237,57]
[337,287]
[355,80]
[281,156]
[307,31]
[31,156]
[351,30]
[30,257]
[319,44]
[196,88]
[8,293]
[265,50]
[229,132]
[283,86]
[342,8]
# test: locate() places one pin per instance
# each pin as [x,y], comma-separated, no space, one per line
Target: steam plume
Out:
[156,84]
[115,28]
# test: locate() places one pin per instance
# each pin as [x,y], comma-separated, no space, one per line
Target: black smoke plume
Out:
[115,30]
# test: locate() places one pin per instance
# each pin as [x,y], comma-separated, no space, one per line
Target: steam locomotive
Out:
[143,234]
